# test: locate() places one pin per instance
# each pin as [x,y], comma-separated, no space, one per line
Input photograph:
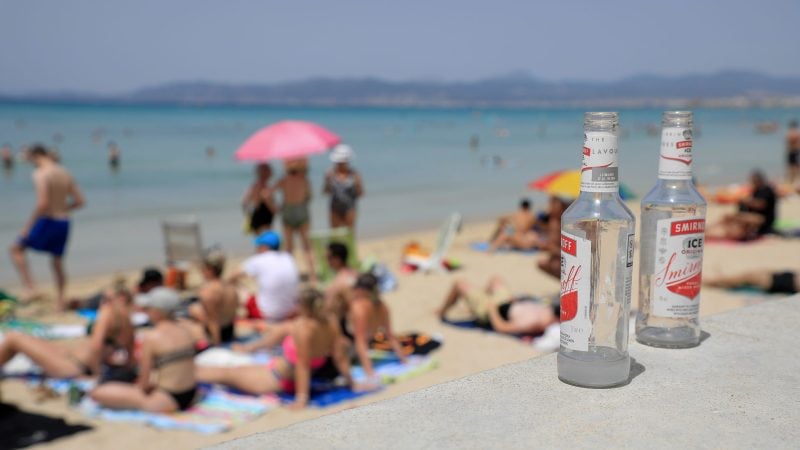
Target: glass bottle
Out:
[597,244]
[673,225]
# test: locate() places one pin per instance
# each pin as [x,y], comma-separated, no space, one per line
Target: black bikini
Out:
[183,399]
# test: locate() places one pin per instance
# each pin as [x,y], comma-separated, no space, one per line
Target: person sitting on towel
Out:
[106,354]
[169,350]
[308,342]
[218,300]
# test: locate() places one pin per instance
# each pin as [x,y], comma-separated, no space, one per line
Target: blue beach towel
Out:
[483,247]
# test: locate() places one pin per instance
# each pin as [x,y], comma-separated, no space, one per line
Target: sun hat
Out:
[269,239]
[342,153]
[161,298]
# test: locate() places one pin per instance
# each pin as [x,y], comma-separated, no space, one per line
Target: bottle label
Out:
[675,162]
[599,171]
[678,267]
[576,260]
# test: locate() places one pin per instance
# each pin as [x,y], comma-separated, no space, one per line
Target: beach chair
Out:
[435,262]
[319,245]
[182,242]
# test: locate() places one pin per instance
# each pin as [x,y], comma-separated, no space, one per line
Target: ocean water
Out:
[417,166]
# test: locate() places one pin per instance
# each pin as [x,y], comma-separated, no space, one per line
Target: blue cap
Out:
[269,239]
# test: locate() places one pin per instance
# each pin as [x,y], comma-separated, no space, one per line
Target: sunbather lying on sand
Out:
[308,341]
[772,282]
[498,308]
[107,353]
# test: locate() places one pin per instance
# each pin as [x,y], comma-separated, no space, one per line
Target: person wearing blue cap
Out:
[277,278]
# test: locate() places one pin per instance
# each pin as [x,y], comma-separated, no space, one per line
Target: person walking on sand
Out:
[345,187]
[57,195]
[296,192]
[793,152]
[258,203]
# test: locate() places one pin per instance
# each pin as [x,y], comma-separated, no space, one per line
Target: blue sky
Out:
[111,46]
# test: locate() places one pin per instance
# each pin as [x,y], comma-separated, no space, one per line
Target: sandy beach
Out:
[412,305]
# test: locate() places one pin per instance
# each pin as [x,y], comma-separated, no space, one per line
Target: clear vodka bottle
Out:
[671,262]
[597,242]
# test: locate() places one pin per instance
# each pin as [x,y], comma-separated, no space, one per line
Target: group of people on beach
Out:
[342,182]
[317,332]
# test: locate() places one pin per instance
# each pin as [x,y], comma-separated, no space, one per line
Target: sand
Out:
[412,305]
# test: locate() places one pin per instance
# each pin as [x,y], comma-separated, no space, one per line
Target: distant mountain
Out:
[516,90]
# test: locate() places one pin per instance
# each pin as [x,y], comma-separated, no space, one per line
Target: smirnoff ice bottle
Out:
[673,225]
[597,241]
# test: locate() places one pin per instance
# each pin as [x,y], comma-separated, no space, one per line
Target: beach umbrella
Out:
[288,139]
[567,183]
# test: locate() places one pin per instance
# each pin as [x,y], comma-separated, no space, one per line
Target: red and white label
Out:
[675,162]
[600,171]
[678,267]
[576,259]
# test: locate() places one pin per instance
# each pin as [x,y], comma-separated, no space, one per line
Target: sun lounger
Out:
[182,242]
[435,262]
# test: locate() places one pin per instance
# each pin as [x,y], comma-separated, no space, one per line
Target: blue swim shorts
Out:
[47,235]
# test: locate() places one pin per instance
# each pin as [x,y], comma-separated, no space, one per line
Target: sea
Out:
[418,166]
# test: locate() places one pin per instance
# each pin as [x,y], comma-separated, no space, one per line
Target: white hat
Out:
[162,298]
[342,153]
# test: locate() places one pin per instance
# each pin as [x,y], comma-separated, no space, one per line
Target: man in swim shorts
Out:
[57,195]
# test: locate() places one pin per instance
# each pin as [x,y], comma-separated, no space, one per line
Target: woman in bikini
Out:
[344,185]
[307,342]
[168,349]
[296,192]
[258,203]
[106,354]
[367,315]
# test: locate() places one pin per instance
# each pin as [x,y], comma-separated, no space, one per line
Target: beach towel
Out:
[542,342]
[412,344]
[20,429]
[483,247]
[219,410]
[388,369]
[42,330]
[787,227]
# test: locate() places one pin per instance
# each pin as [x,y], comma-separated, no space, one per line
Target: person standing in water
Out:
[295,190]
[793,152]
[113,156]
[7,155]
[57,195]
[258,203]
[345,187]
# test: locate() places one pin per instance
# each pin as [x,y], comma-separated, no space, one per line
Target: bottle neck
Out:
[675,161]
[600,170]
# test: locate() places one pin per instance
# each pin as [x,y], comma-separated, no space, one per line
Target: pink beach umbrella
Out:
[287,139]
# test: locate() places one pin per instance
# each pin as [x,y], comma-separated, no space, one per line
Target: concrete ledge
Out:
[739,389]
